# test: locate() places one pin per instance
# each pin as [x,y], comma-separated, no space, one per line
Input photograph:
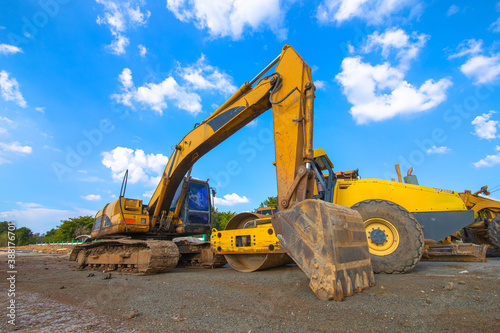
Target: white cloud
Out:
[4,161]
[148,194]
[126,78]
[10,89]
[495,26]
[155,96]
[15,147]
[7,120]
[202,76]
[40,109]
[485,128]
[479,67]
[482,69]
[380,92]
[438,150]
[452,10]
[253,123]
[489,161]
[92,179]
[52,148]
[406,46]
[230,200]
[25,205]
[9,49]
[119,16]
[320,85]
[39,218]
[372,11]
[142,50]
[197,77]
[141,167]
[232,17]
[92,197]
[468,47]
[119,44]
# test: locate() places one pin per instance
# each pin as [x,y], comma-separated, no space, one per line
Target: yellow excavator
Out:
[327,241]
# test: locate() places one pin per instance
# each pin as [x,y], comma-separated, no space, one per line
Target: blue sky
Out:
[91,88]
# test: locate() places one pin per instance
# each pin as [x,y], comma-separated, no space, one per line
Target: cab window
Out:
[107,221]
[198,197]
[97,223]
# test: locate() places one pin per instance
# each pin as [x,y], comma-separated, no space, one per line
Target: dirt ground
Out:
[53,296]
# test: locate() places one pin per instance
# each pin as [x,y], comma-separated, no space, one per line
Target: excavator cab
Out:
[192,212]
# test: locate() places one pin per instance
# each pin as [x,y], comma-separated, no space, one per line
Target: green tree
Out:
[224,218]
[214,221]
[4,226]
[269,202]
[49,235]
[24,236]
[4,239]
[82,230]
[66,231]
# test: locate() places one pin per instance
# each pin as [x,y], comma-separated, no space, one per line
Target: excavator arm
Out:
[290,93]
[327,241]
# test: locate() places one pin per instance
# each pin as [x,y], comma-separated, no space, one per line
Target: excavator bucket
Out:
[328,242]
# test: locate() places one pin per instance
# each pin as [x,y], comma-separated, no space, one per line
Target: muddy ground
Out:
[53,296]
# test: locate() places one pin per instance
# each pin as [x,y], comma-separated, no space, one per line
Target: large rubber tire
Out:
[410,245]
[494,232]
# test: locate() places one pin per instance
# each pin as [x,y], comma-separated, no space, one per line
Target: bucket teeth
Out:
[328,242]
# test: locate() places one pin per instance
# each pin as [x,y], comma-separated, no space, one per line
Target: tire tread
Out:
[409,264]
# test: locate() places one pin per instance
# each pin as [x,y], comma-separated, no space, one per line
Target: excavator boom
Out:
[290,92]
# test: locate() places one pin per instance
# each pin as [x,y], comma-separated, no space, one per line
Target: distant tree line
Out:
[66,231]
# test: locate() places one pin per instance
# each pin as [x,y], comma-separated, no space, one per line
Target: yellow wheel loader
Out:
[397,217]
[395,236]
[326,241]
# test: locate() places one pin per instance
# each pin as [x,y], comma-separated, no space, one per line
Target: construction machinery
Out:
[397,216]
[486,226]
[326,241]
[395,236]
[134,243]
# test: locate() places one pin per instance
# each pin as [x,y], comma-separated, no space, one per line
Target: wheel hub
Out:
[383,238]
[378,236]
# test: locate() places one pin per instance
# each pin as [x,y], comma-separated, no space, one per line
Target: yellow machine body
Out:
[110,220]
[414,198]
[259,239]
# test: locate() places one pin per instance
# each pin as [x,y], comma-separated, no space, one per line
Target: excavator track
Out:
[127,255]
[196,253]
